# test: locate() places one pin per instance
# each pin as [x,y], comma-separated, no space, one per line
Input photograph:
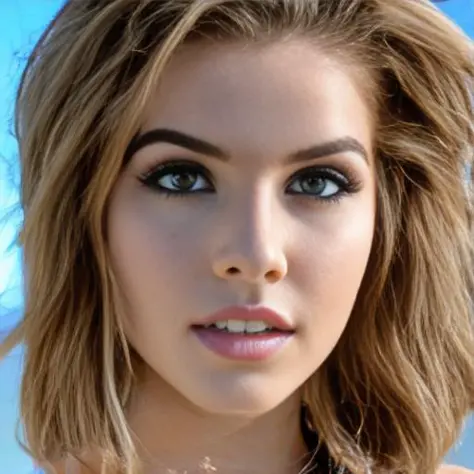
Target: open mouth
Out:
[245,333]
[241,327]
[250,341]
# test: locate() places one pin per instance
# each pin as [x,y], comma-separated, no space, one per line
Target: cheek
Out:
[329,265]
[151,252]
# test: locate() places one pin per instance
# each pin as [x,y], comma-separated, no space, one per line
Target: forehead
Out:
[288,90]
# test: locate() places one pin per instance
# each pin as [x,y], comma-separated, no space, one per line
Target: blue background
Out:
[21,22]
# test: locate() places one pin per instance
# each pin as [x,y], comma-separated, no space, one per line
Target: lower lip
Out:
[244,347]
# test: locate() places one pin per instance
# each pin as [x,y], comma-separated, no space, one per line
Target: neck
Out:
[175,436]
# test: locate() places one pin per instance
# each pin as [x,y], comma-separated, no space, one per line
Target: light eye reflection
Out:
[187,178]
[316,186]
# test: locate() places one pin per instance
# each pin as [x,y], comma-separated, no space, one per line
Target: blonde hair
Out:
[393,394]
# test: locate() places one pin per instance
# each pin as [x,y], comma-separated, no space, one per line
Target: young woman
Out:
[247,237]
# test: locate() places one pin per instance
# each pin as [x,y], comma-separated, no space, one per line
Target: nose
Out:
[237,267]
[251,247]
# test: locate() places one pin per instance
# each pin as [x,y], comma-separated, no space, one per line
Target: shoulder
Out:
[453,470]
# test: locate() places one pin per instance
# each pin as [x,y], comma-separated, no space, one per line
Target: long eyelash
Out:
[168,167]
[344,176]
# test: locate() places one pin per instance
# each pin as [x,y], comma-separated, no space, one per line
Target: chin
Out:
[248,408]
[240,389]
[239,395]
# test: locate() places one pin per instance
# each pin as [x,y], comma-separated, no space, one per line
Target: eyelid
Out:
[344,174]
[150,178]
[168,165]
[329,170]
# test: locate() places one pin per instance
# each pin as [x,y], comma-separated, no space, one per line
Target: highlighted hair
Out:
[393,394]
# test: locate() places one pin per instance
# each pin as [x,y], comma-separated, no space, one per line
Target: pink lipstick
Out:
[246,333]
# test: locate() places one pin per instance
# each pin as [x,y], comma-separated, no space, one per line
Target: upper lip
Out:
[249,313]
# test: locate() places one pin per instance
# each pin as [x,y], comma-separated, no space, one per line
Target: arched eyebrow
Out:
[333,147]
[203,147]
[174,137]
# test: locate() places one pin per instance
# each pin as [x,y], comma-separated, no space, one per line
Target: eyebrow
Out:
[202,147]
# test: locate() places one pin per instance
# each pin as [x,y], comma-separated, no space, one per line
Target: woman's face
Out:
[254,195]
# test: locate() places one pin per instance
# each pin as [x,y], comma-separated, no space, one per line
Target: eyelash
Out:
[344,179]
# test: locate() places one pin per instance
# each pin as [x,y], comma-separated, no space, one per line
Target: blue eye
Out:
[186,178]
[178,178]
[320,183]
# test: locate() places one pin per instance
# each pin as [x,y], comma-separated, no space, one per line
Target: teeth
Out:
[221,324]
[235,326]
[238,326]
[256,326]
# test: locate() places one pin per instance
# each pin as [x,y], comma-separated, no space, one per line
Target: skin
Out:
[302,255]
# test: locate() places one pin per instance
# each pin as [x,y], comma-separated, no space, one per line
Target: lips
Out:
[244,333]
[270,317]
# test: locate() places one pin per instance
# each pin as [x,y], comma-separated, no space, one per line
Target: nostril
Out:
[233,271]
[273,276]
